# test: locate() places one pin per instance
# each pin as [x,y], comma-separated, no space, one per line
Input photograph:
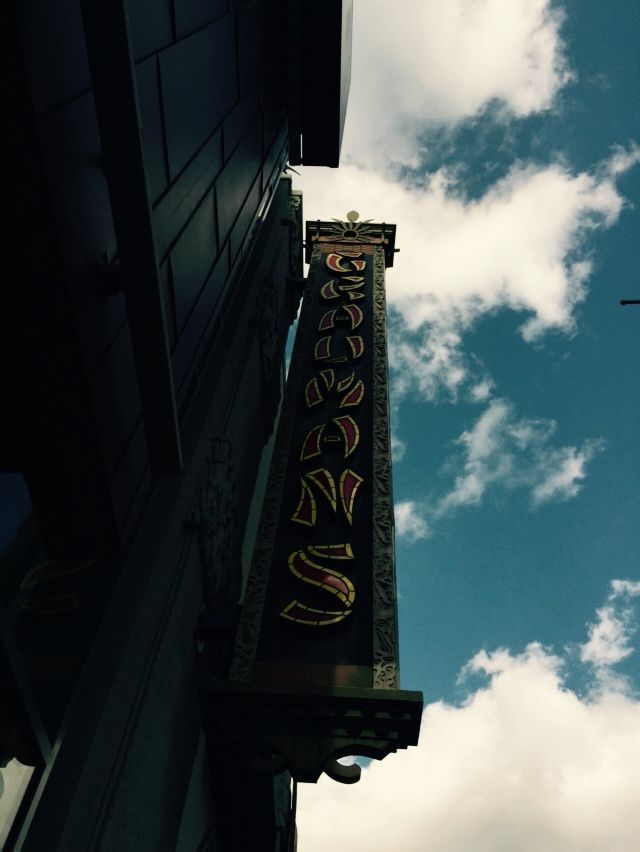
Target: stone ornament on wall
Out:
[215,516]
[385,627]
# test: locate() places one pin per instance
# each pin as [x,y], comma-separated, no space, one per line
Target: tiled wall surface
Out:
[211,85]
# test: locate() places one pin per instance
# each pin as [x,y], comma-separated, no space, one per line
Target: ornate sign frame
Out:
[302,710]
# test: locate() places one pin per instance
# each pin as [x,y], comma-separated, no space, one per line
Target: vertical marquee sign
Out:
[317,640]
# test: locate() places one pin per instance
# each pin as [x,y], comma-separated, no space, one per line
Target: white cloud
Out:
[410,524]
[611,633]
[487,457]
[564,471]
[522,246]
[429,363]
[482,390]
[523,765]
[515,452]
[421,63]
[506,451]
[501,450]
[619,588]
[398,448]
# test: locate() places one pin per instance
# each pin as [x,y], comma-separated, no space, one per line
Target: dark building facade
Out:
[160,260]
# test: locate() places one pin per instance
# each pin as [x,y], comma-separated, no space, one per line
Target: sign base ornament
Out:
[306,730]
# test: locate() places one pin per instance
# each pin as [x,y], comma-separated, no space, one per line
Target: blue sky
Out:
[501,136]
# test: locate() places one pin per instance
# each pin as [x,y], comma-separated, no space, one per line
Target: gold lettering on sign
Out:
[329,580]
[319,565]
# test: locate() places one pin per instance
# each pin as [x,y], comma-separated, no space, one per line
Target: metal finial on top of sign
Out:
[350,232]
[350,229]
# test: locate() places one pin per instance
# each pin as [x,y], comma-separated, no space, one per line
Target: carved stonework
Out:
[295,235]
[214,515]
[249,627]
[385,628]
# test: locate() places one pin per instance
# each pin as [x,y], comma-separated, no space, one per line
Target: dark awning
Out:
[319,79]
